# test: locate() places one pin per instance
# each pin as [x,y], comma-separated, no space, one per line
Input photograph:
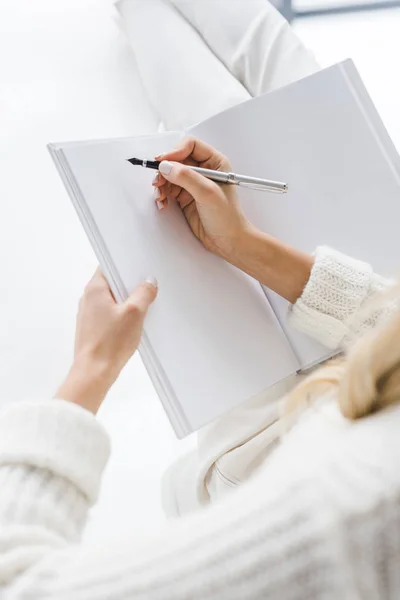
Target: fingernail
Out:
[165,167]
[152,280]
[156,193]
[155,180]
[159,156]
[160,204]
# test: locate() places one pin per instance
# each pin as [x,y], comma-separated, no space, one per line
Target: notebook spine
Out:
[166,394]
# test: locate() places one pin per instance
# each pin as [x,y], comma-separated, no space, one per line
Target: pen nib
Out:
[135,161]
[149,164]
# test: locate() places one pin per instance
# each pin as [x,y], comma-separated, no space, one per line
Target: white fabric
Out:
[339,290]
[253,41]
[320,519]
[194,66]
[33,451]
[181,75]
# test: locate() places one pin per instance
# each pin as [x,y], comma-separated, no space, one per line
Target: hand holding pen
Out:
[214,215]
[212,211]
[226,177]
[255,183]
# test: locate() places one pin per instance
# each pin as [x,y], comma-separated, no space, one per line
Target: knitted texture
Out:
[57,451]
[320,520]
[333,308]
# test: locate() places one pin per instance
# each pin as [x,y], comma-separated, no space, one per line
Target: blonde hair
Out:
[366,380]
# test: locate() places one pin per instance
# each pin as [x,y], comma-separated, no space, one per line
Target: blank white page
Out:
[212,339]
[323,136]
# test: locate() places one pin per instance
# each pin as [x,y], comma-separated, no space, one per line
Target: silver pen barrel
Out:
[218,176]
[260,184]
[255,183]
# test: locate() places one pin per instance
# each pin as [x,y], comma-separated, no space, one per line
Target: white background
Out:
[67,73]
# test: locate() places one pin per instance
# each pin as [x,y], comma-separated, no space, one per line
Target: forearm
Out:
[329,290]
[86,384]
[276,265]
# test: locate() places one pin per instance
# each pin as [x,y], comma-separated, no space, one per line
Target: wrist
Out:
[276,265]
[87,383]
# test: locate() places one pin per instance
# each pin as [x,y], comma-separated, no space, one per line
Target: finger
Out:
[195,148]
[184,199]
[160,198]
[99,285]
[96,275]
[198,186]
[175,193]
[161,204]
[169,190]
[158,180]
[143,295]
[98,280]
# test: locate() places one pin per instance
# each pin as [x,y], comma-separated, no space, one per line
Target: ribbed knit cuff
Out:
[58,436]
[331,301]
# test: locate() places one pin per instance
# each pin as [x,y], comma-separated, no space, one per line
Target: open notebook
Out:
[215,337]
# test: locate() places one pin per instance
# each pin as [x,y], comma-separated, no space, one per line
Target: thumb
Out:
[143,295]
[197,185]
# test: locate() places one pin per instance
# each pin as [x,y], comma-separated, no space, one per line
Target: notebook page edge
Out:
[56,146]
[175,412]
[174,409]
[371,115]
[89,226]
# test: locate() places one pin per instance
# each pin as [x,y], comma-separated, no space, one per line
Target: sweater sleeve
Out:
[52,455]
[333,308]
[260,542]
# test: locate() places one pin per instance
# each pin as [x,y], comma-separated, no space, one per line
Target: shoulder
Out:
[352,460]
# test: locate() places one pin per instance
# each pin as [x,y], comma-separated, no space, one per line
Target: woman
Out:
[321,517]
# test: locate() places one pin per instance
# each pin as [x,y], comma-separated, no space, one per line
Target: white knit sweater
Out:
[321,519]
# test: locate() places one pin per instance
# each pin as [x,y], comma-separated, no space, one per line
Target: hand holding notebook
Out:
[216,337]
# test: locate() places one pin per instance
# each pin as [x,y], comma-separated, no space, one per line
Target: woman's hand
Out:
[215,217]
[212,210]
[107,334]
